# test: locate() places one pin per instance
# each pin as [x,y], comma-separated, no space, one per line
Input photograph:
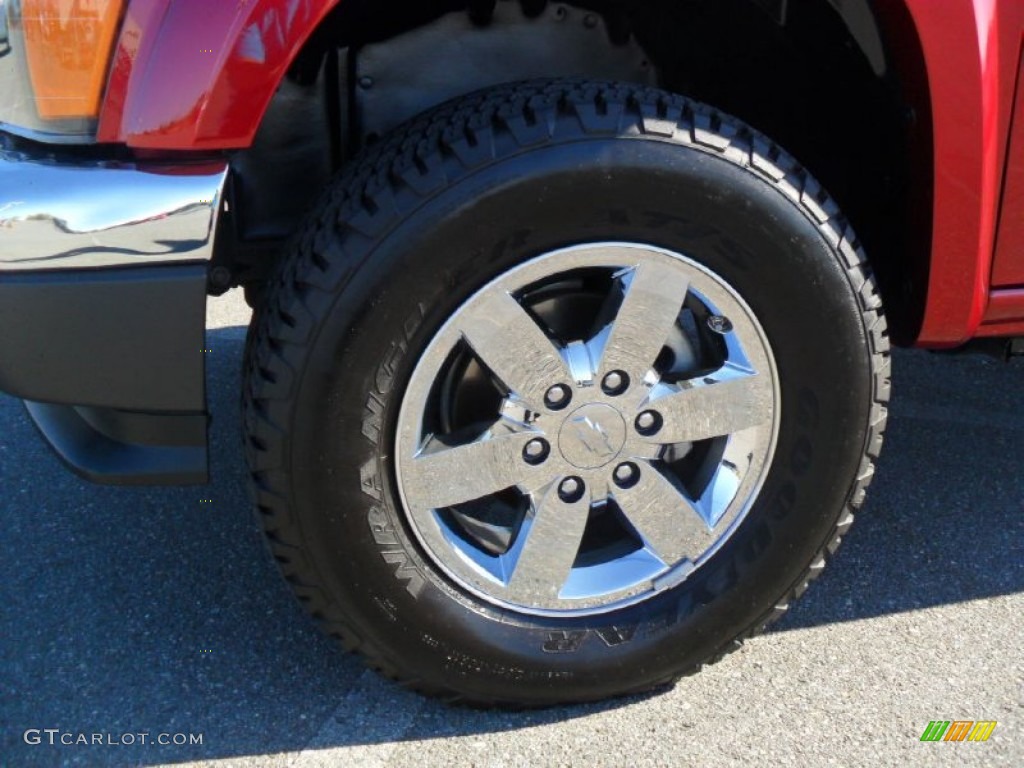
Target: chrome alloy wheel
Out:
[587,430]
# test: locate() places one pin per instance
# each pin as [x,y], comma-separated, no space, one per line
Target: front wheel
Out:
[565,388]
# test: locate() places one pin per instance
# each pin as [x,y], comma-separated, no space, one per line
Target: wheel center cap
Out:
[592,436]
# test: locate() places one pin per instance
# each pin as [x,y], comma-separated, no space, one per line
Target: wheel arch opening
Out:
[841,86]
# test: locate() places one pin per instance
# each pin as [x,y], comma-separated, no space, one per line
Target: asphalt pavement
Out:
[128,611]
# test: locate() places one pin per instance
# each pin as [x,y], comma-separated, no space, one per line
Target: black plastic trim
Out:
[129,339]
[118,448]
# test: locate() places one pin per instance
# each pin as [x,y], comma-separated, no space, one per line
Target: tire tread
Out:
[414,163]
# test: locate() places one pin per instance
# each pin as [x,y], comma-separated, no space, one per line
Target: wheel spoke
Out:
[651,306]
[664,516]
[592,372]
[551,538]
[441,477]
[514,347]
[713,410]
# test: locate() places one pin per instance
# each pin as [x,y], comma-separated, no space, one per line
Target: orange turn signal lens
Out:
[68,45]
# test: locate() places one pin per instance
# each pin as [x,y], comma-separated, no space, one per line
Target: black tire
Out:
[426,218]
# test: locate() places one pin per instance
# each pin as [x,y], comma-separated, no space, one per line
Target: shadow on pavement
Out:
[129,610]
[944,521]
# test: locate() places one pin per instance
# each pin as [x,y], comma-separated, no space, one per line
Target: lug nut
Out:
[626,475]
[648,423]
[615,383]
[720,324]
[557,397]
[571,490]
[536,451]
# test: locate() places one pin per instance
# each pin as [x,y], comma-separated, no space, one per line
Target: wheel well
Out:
[814,76]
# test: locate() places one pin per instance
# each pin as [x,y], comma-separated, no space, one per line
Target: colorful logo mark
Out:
[958,730]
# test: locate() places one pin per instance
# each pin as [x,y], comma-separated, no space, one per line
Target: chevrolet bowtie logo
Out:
[593,436]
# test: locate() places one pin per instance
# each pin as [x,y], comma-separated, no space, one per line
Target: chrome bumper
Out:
[103,279]
[93,214]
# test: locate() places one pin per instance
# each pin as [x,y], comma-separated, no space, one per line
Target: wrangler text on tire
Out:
[565,388]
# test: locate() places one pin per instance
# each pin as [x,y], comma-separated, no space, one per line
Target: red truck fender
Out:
[191,74]
[972,82]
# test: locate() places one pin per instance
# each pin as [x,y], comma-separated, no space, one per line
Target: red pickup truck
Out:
[570,354]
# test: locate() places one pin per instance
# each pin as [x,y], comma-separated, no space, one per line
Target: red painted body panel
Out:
[195,74]
[971,49]
[1007,305]
[1009,261]
[1005,314]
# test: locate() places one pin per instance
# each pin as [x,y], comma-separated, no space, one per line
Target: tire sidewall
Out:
[410,280]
